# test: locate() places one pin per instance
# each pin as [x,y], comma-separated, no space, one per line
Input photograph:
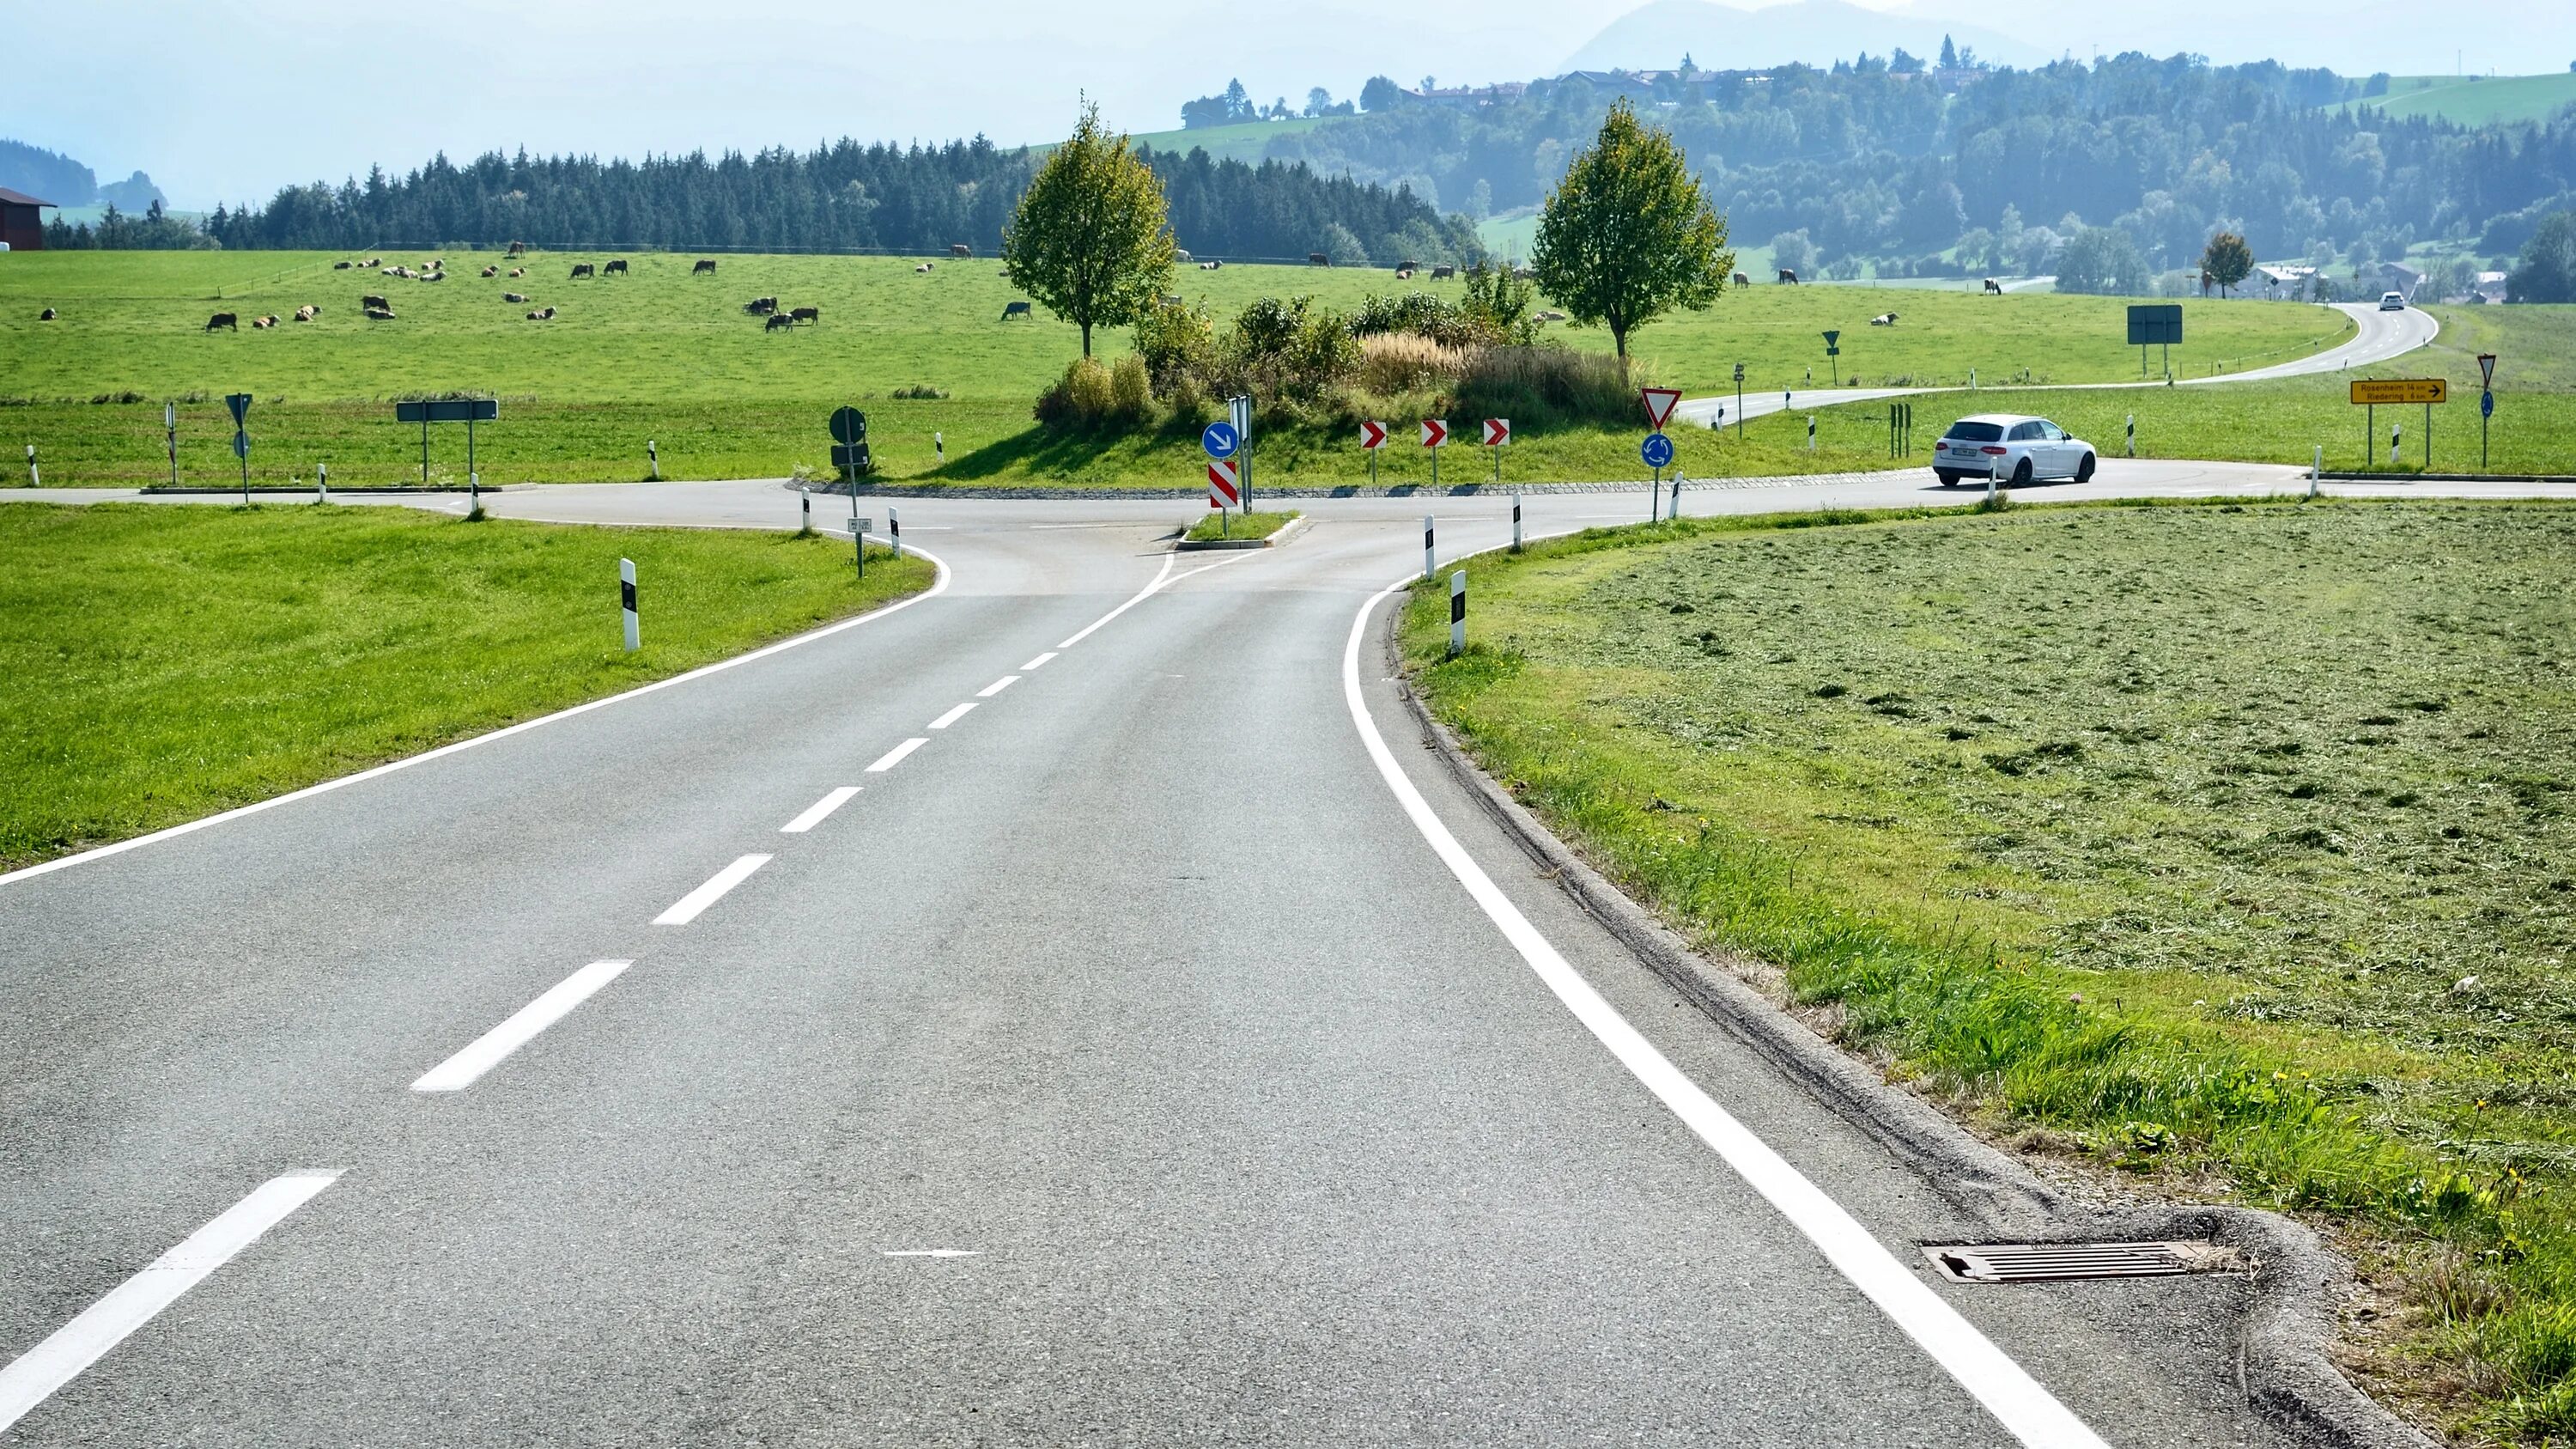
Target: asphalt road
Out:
[1164,1049]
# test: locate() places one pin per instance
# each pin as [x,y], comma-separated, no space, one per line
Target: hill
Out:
[2474,100]
[1813,32]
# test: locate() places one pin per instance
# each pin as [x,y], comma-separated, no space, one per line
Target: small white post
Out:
[321,482]
[1811,432]
[1972,379]
[653,457]
[1457,613]
[474,492]
[1516,521]
[1675,510]
[170,435]
[804,509]
[1426,548]
[2316,470]
[2396,438]
[1994,466]
[34,479]
[939,444]
[2133,435]
[894,525]
[626,601]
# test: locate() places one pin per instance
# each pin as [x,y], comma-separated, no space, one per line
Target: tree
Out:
[1092,238]
[1238,103]
[2102,260]
[1793,251]
[2547,271]
[1949,54]
[1379,94]
[1628,235]
[1319,102]
[2227,259]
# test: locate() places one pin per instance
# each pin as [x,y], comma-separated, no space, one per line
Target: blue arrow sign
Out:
[2486,404]
[241,445]
[1220,440]
[1657,450]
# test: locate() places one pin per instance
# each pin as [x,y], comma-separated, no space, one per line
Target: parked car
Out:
[2392,301]
[2012,447]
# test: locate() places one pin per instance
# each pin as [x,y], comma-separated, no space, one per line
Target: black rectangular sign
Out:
[2151,323]
[448,410]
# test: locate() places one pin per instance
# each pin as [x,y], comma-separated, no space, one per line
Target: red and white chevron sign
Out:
[1498,431]
[1372,435]
[1435,431]
[1222,477]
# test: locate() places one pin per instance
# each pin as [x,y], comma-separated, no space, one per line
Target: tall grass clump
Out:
[1547,385]
[1394,363]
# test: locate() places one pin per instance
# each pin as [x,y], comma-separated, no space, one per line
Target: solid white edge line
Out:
[2025,1409]
[493,1047]
[689,907]
[1034,665]
[894,757]
[34,1375]
[997,686]
[938,586]
[953,716]
[817,812]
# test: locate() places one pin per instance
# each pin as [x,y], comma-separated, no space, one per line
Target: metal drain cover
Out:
[2056,1262]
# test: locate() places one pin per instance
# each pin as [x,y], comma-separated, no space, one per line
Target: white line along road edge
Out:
[937,587]
[35,1374]
[493,1047]
[2025,1409]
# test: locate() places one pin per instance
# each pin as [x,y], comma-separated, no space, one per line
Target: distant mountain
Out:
[134,193]
[1816,32]
[48,177]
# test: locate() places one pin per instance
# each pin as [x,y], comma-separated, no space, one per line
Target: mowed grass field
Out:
[2474,100]
[665,356]
[2229,845]
[159,663]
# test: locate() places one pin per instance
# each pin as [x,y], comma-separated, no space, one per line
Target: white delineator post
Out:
[2396,439]
[2316,469]
[1994,466]
[170,435]
[2133,435]
[1674,510]
[34,479]
[653,458]
[1516,523]
[1811,432]
[321,482]
[1457,613]
[1426,548]
[626,602]
[894,529]
[805,508]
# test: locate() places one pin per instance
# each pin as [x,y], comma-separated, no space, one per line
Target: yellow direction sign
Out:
[2388,390]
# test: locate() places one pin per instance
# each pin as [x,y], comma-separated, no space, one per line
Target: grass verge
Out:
[2224,845]
[160,663]
[1238,525]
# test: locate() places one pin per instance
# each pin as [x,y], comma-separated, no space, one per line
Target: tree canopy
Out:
[1092,239]
[2548,270]
[2227,260]
[1627,235]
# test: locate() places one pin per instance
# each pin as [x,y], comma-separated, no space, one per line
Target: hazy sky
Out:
[227,101]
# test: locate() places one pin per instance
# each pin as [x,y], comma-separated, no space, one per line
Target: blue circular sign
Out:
[2486,404]
[1220,440]
[1657,450]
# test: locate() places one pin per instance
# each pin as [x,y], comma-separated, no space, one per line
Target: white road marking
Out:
[1038,663]
[997,686]
[938,586]
[816,813]
[931,1253]
[2025,1409]
[1162,580]
[693,904]
[488,1050]
[35,1374]
[953,716]
[894,757]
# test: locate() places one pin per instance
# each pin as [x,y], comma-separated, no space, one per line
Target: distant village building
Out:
[22,220]
[2400,278]
[2284,281]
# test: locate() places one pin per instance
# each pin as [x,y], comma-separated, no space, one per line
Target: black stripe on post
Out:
[1458,607]
[626,594]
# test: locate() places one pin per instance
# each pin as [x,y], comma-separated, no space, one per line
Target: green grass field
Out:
[2475,100]
[665,356]
[2226,845]
[160,663]
[1247,142]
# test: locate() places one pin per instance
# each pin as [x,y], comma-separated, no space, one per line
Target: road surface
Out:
[1072,1005]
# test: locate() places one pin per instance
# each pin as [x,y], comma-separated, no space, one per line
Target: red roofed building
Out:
[22,221]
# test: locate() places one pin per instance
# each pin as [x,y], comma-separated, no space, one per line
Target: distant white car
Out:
[2392,301]
[2010,447]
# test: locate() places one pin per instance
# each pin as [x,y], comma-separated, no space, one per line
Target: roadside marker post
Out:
[2133,435]
[805,511]
[1674,509]
[2315,469]
[626,602]
[170,436]
[653,457]
[1426,548]
[474,495]
[1372,438]
[894,530]
[2396,443]
[1811,432]
[939,446]
[1516,522]
[321,482]
[34,479]
[1994,467]
[1457,613]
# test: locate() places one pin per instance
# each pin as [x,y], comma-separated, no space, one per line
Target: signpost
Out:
[1435,436]
[1498,433]
[1660,402]
[239,402]
[1657,452]
[2155,324]
[859,529]
[1834,349]
[1372,438]
[2486,403]
[1240,409]
[850,451]
[1225,483]
[170,432]
[466,410]
[1220,441]
[1739,400]
[2371,395]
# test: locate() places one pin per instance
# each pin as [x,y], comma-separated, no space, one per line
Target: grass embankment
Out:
[2227,845]
[665,356]
[1238,525]
[162,663]
[2471,100]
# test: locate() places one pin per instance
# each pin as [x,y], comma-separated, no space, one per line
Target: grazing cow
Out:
[583,269]
[373,302]
[704,268]
[1318,259]
[776,321]
[517,298]
[380,314]
[307,312]
[1742,280]
[262,323]
[761,306]
[377,262]
[806,314]
[223,319]
[518,249]
[435,277]
[342,266]
[1551,316]
[1210,266]
[1182,254]
[492,271]
[1883,319]
[48,315]
[1408,265]
[961,250]
[925,266]
[1404,274]
[1788,277]
[616,268]
[1995,287]
[1010,310]
[1443,272]
[518,271]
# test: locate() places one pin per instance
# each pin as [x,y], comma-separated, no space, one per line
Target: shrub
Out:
[918,392]
[1546,385]
[1178,346]
[1131,397]
[1090,396]
[1288,349]
[1419,314]
[1392,363]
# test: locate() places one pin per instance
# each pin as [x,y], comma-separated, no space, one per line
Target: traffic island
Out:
[1240,530]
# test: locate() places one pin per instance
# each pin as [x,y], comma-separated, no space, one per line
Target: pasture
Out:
[662,354]
[2226,845]
[2474,100]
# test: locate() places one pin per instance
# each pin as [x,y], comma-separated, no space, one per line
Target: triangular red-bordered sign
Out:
[1660,402]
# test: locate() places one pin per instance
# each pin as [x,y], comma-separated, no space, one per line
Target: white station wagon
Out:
[2011,448]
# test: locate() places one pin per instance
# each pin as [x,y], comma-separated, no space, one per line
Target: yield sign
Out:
[1498,431]
[1435,431]
[1660,402]
[1222,491]
[1372,435]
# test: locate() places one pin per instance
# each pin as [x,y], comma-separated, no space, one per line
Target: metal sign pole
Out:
[170,426]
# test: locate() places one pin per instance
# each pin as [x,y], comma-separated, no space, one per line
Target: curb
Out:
[1206,545]
[2282,1367]
[1356,490]
[259,490]
[2332,476]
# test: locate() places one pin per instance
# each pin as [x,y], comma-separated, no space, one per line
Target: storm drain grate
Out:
[2055,1262]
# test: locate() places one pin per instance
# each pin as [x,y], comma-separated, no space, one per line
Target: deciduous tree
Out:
[1092,238]
[2227,259]
[1628,235]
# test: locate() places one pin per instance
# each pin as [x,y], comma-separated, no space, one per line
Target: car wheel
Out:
[2021,474]
[2084,470]
[1948,480]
